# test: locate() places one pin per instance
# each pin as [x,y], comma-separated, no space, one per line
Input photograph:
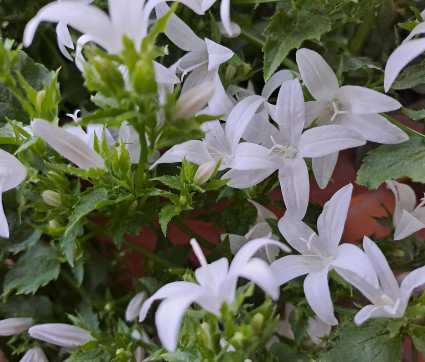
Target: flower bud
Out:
[257,323]
[206,332]
[35,354]
[51,198]
[230,72]
[204,172]
[193,100]
[61,334]
[183,200]
[54,224]
[11,326]
[41,95]
[134,306]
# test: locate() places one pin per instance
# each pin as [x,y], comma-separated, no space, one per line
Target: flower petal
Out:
[242,179]
[362,100]
[217,54]
[414,279]
[276,80]
[405,198]
[289,267]
[4,226]
[321,141]
[374,127]
[134,306]
[323,167]
[316,290]
[34,354]
[314,109]
[317,75]
[68,145]
[370,311]
[295,186]
[294,230]
[331,221]
[60,334]
[225,16]
[400,57]
[407,225]
[250,156]
[12,171]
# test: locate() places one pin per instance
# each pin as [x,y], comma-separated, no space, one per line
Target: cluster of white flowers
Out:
[253,139]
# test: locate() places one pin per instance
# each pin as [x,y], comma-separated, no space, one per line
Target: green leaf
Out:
[392,162]
[36,268]
[36,306]
[166,214]
[417,333]
[287,353]
[368,342]
[171,181]
[180,356]
[285,33]
[411,77]
[93,355]
[415,114]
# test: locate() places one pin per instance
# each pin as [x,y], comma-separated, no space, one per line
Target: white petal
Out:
[235,29]
[295,185]
[331,221]
[12,326]
[262,212]
[317,75]
[317,329]
[289,267]
[369,311]
[68,145]
[294,230]
[165,75]
[240,117]
[178,31]
[12,171]
[169,316]
[60,334]
[407,225]
[217,54]
[405,198]
[242,179]
[290,112]
[380,264]
[35,354]
[414,279]
[276,80]
[314,109]
[4,227]
[374,127]
[362,100]
[213,274]
[323,167]
[259,272]
[220,103]
[236,242]
[418,29]
[171,290]
[353,265]
[194,151]
[134,306]
[316,289]
[260,130]
[321,141]
[225,16]
[400,57]
[86,19]
[250,156]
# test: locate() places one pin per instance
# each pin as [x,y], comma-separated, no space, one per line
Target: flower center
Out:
[384,300]
[283,151]
[218,155]
[331,113]
[313,257]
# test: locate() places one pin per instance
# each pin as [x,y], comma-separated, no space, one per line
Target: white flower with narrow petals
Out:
[12,326]
[284,149]
[321,253]
[389,299]
[12,173]
[407,51]
[407,218]
[217,285]
[351,106]
[72,147]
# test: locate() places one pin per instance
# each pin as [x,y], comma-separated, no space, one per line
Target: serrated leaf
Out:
[36,268]
[214,184]
[285,33]
[180,356]
[393,161]
[417,333]
[36,306]
[368,342]
[287,353]
[171,181]
[95,354]
[410,77]
[415,114]
[166,214]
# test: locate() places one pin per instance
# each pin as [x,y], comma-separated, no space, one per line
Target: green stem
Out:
[414,353]
[77,288]
[148,254]
[362,33]
[142,160]
[189,232]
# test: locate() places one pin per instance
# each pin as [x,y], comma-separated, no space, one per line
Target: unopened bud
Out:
[34,354]
[41,95]
[54,224]
[204,172]
[230,72]
[11,326]
[51,198]
[133,206]
[257,323]
[183,200]
[61,334]
[134,306]
[206,331]
[193,100]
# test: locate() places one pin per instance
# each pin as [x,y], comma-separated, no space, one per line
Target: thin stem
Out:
[362,33]
[150,255]
[189,232]
[142,160]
